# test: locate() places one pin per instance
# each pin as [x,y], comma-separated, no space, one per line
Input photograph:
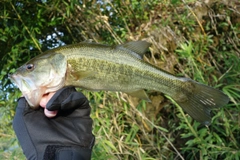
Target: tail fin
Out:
[201,100]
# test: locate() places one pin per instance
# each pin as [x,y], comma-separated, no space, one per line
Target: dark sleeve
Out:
[22,131]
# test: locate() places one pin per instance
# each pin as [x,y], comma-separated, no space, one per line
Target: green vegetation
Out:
[190,38]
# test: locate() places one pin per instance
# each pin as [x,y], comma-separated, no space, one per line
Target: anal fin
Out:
[140,94]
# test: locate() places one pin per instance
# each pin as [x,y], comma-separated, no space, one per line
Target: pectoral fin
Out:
[140,94]
[78,75]
[83,74]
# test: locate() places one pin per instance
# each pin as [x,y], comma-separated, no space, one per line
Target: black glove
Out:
[68,136]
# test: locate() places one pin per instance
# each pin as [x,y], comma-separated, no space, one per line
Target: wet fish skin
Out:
[114,68]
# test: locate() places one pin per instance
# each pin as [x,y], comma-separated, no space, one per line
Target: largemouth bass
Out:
[112,68]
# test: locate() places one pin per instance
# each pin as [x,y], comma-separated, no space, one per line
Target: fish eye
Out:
[29,67]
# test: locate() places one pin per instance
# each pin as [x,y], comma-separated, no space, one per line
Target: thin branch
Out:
[199,23]
[19,17]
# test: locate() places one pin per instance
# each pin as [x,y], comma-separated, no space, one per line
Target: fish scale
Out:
[128,77]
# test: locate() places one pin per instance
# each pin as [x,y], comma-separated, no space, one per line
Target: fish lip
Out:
[13,78]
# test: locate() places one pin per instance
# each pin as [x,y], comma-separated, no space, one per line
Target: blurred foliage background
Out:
[196,39]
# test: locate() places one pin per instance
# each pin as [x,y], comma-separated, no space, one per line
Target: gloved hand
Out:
[68,136]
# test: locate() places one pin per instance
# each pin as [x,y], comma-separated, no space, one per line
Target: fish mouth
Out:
[30,91]
[22,83]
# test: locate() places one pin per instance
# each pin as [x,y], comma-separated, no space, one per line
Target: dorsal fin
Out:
[139,47]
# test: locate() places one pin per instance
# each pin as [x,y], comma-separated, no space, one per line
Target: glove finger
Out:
[20,128]
[67,98]
[75,100]
[55,102]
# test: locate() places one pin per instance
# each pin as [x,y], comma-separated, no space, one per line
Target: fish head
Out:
[41,75]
